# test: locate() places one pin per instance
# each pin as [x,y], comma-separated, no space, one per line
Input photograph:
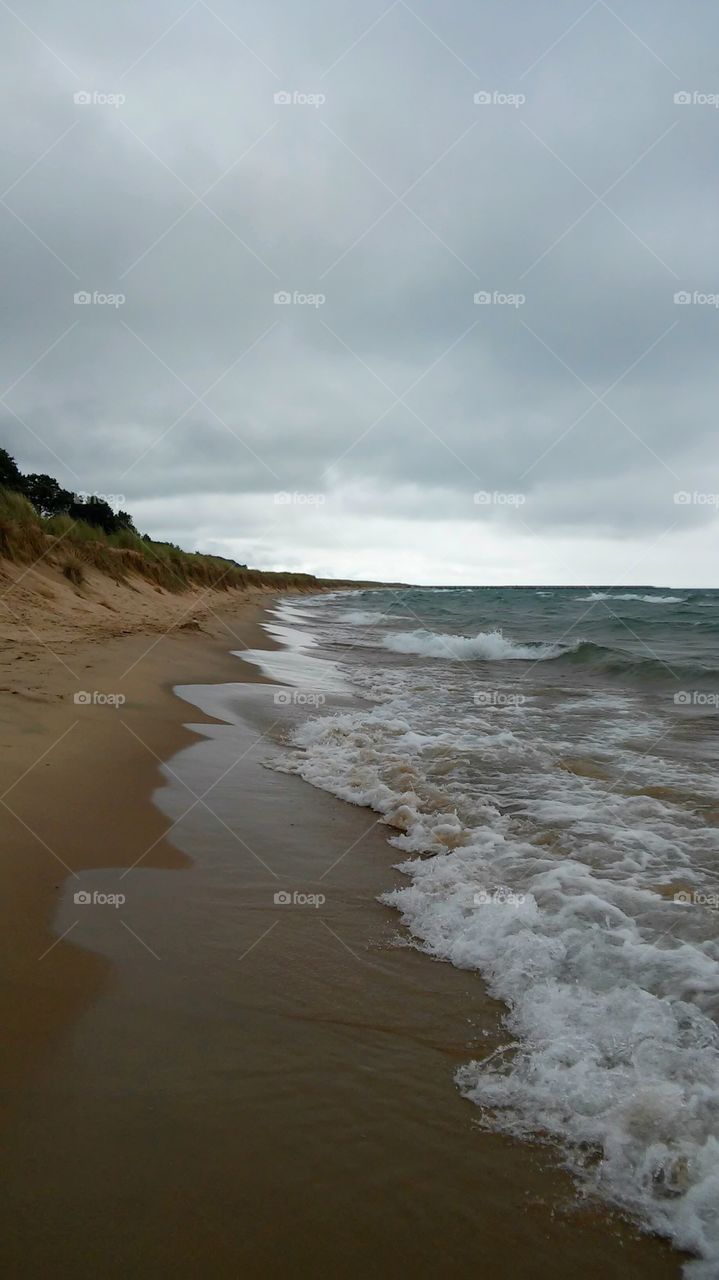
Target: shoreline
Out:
[85,821]
[372,1045]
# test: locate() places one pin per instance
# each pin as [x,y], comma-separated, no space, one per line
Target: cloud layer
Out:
[495,228]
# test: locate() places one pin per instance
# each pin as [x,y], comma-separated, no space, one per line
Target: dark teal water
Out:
[636,633]
[545,762]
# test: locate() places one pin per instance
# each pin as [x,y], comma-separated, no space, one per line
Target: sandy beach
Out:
[76,782]
[200,1079]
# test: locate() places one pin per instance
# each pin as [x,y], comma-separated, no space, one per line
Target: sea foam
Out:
[488,646]
[631,595]
[612,1050]
[544,823]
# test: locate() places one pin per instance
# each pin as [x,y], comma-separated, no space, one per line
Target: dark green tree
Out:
[46,495]
[96,512]
[10,476]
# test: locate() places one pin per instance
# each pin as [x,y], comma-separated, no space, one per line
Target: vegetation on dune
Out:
[21,534]
[39,519]
[10,476]
[73,569]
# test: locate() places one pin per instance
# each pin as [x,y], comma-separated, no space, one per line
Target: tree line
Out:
[50,499]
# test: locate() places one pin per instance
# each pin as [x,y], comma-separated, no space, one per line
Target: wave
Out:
[493,646]
[632,595]
[621,662]
[543,852]
[487,646]
[360,616]
[611,1048]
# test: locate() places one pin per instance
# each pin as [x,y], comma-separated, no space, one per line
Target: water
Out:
[545,762]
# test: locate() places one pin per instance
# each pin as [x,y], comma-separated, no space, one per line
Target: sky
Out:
[404,291]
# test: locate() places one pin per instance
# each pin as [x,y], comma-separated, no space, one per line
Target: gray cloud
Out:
[397,199]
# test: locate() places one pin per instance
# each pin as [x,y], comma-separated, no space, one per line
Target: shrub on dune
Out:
[21,536]
[74,571]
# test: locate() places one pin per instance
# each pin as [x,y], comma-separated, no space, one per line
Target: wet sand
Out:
[210,1081]
[77,786]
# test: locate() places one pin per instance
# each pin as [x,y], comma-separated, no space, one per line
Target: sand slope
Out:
[76,777]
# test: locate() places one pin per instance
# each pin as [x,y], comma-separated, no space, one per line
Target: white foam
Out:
[612,991]
[612,1050]
[292,664]
[490,646]
[361,616]
[631,595]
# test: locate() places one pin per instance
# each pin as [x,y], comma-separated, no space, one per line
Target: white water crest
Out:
[631,595]
[558,834]
[490,646]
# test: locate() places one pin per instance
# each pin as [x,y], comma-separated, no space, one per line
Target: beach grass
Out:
[25,535]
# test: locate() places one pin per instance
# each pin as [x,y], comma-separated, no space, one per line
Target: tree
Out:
[95,512]
[10,475]
[46,495]
[124,521]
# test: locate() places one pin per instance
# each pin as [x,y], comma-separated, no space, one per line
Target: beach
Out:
[207,1076]
[359,642]
[77,784]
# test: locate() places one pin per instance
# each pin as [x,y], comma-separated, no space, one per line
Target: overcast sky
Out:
[382,423]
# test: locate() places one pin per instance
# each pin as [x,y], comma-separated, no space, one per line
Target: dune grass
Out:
[26,536]
[74,570]
[21,534]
